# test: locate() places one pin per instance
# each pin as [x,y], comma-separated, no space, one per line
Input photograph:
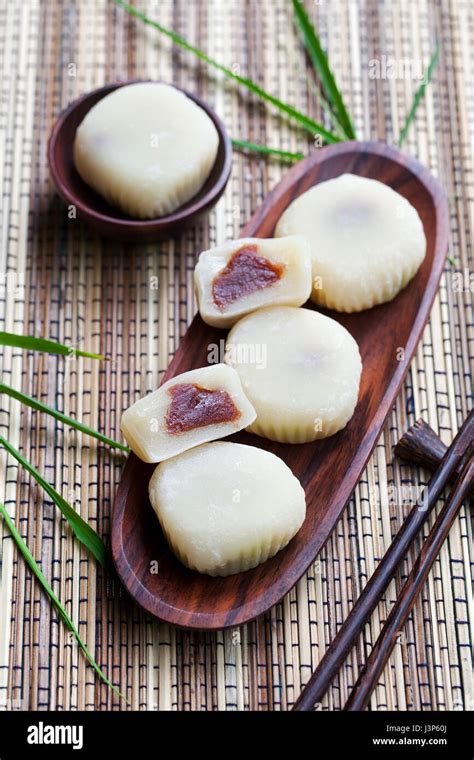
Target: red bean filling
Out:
[244,273]
[192,407]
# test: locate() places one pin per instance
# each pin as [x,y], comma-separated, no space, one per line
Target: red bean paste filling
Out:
[193,407]
[244,273]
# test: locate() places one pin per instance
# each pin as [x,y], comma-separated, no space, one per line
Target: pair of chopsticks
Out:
[422,446]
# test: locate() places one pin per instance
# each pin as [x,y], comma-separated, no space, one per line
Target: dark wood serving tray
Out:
[329,469]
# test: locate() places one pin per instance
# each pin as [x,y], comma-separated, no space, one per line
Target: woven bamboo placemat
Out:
[134,302]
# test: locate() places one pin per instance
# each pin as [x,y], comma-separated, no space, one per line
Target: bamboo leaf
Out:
[327,108]
[42,344]
[284,154]
[40,407]
[321,66]
[305,121]
[81,529]
[419,96]
[34,567]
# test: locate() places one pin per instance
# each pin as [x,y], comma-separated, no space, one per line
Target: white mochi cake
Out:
[243,275]
[299,369]
[225,507]
[367,241]
[188,410]
[146,148]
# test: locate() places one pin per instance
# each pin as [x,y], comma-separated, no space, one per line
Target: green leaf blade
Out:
[40,407]
[293,113]
[284,154]
[81,529]
[419,94]
[43,344]
[37,572]
[321,66]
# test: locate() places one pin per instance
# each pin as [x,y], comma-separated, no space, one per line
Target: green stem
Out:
[31,562]
[40,407]
[419,96]
[81,529]
[284,154]
[321,66]
[43,344]
[305,121]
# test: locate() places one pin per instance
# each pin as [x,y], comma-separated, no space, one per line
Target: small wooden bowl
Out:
[106,219]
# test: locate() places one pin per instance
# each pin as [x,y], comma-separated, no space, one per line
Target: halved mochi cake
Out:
[241,276]
[367,241]
[305,383]
[225,507]
[190,409]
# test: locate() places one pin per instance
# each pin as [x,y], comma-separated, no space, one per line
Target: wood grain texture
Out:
[328,469]
[420,445]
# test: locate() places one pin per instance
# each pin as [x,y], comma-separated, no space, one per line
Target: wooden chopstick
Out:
[379,581]
[382,648]
[420,445]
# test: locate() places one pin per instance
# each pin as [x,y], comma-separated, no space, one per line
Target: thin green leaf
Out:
[321,66]
[40,407]
[325,105]
[305,121]
[284,154]
[29,559]
[419,96]
[318,95]
[81,529]
[42,344]
[452,260]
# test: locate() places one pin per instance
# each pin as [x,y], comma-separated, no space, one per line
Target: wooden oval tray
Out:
[329,469]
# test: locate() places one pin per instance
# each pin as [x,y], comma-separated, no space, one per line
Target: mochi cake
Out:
[305,383]
[225,507]
[146,148]
[188,410]
[240,276]
[367,241]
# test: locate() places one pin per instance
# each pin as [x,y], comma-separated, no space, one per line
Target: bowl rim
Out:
[180,215]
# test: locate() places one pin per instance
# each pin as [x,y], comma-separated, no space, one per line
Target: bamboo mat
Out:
[57,280]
